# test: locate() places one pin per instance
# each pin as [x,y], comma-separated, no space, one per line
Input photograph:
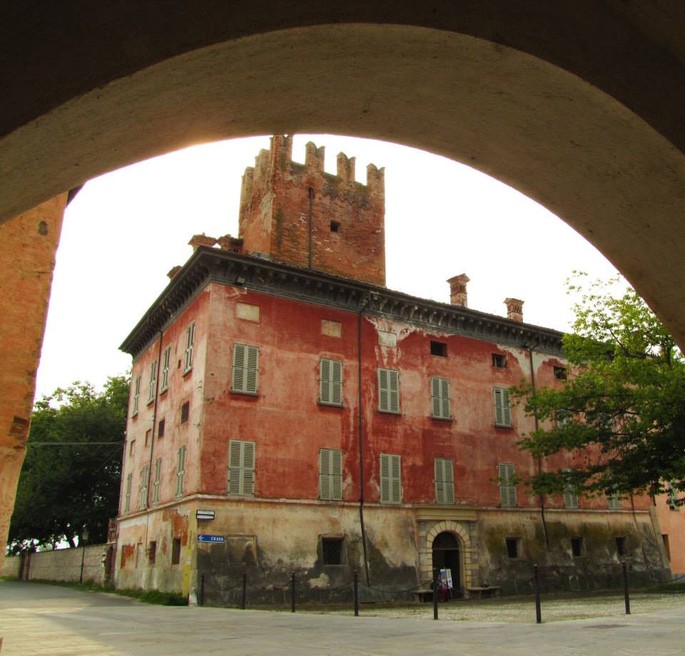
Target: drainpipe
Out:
[360,436]
[536,423]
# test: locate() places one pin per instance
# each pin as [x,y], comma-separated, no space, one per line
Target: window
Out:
[161,427]
[614,501]
[136,396]
[560,373]
[621,545]
[577,547]
[148,436]
[245,368]
[144,478]
[132,447]
[180,471]
[127,497]
[185,412]
[152,389]
[330,474]
[439,349]
[176,551]
[389,390]
[332,551]
[190,341]
[241,467]
[507,485]
[330,382]
[391,479]
[166,363]
[156,482]
[444,481]
[335,226]
[502,407]
[152,552]
[570,492]
[513,547]
[499,361]
[440,398]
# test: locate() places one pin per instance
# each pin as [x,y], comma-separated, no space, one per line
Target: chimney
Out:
[514,309]
[174,272]
[458,295]
[201,240]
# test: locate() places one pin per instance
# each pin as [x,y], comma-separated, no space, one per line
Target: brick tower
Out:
[300,215]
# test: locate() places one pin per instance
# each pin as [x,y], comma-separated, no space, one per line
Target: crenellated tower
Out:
[300,215]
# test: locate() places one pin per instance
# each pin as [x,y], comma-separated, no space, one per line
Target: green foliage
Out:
[69,485]
[621,413]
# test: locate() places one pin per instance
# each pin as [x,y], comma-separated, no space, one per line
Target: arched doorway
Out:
[447,555]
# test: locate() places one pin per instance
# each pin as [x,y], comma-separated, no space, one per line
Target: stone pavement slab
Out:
[37,619]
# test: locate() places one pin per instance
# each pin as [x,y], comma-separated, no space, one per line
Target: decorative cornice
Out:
[268,277]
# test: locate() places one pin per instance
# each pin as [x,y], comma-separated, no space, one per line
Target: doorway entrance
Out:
[446,555]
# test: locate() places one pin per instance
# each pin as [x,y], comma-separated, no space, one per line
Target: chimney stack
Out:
[514,309]
[458,295]
[201,240]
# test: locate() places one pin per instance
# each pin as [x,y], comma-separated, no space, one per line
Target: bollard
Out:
[436,592]
[292,593]
[536,585]
[202,590]
[626,595]
[243,602]
[356,593]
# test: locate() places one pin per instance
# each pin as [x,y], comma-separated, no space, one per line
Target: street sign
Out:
[215,539]
[204,514]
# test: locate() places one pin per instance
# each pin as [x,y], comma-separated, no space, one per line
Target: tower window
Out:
[499,361]
[335,226]
[439,348]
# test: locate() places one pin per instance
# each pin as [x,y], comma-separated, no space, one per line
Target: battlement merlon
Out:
[314,158]
[375,180]
[346,168]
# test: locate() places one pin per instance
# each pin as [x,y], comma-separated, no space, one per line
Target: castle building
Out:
[290,414]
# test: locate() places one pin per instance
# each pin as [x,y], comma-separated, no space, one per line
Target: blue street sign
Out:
[204,537]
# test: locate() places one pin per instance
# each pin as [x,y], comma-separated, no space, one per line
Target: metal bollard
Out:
[536,585]
[243,602]
[355,586]
[292,593]
[436,593]
[626,595]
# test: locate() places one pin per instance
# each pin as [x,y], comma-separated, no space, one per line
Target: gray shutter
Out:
[336,382]
[394,391]
[396,475]
[444,481]
[238,384]
[251,364]
[385,478]
[248,468]
[383,391]
[234,468]
[336,475]
[435,397]
[324,474]
[507,486]
[502,407]
[324,382]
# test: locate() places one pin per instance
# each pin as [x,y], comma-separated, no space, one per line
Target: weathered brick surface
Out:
[27,259]
[300,215]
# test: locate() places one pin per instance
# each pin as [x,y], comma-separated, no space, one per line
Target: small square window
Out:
[560,373]
[439,349]
[176,551]
[335,226]
[185,412]
[332,551]
[577,547]
[499,361]
[160,429]
[513,547]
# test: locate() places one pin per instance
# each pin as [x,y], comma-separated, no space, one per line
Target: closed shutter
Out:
[180,471]
[155,486]
[507,487]
[190,341]
[440,397]
[245,367]
[502,407]
[241,468]
[444,481]
[331,382]
[330,474]
[388,390]
[391,481]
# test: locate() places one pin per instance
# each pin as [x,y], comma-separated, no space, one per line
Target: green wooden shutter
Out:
[245,367]
[180,471]
[391,480]
[248,468]
[251,363]
[502,407]
[444,481]
[388,390]
[190,341]
[440,397]
[336,475]
[324,382]
[324,474]
[507,487]
[331,381]
[241,467]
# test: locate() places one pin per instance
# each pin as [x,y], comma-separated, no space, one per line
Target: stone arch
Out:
[464,532]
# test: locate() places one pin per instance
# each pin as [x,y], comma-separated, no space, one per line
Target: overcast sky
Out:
[125,230]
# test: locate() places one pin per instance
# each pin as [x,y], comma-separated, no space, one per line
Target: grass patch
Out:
[669,587]
[155,597]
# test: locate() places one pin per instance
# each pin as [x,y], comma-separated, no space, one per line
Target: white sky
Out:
[125,230]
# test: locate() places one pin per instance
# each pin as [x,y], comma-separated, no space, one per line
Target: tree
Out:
[621,413]
[69,484]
